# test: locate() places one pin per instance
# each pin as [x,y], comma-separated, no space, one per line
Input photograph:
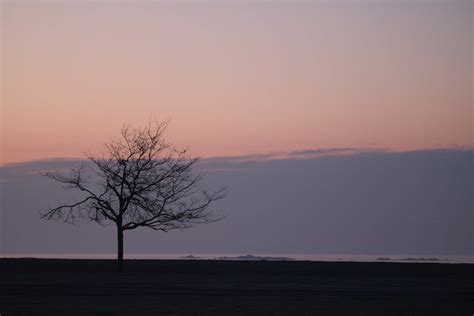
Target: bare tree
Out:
[140,180]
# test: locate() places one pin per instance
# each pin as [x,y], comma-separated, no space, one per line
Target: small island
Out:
[255,258]
[190,257]
[411,259]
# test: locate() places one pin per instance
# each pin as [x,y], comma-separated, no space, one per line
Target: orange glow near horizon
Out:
[236,78]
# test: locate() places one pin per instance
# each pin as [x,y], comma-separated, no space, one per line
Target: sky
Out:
[236,77]
[339,126]
[335,201]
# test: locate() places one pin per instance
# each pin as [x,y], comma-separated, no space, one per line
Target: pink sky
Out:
[236,78]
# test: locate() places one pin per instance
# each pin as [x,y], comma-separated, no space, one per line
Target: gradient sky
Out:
[236,77]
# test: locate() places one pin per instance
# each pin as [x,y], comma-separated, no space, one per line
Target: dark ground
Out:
[151,287]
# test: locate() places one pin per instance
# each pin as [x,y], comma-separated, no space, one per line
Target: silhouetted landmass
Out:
[412,259]
[253,258]
[221,287]
[421,259]
[190,257]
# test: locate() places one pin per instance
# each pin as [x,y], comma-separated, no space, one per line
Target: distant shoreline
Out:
[247,258]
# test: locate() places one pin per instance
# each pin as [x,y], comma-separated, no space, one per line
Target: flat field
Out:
[213,287]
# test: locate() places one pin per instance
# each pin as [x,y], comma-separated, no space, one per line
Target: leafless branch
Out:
[140,180]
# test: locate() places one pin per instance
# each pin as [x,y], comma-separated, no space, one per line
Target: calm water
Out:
[300,257]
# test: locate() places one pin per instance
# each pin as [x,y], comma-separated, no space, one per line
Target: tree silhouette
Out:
[140,180]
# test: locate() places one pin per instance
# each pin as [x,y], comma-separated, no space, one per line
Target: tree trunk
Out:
[119,248]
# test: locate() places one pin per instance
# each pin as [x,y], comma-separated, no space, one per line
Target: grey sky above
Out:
[341,201]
